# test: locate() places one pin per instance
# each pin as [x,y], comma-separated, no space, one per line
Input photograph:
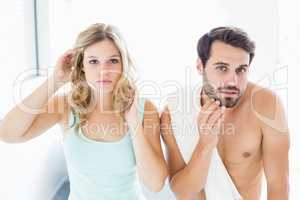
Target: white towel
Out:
[218,183]
[184,106]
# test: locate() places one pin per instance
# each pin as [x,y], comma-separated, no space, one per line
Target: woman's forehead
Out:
[102,49]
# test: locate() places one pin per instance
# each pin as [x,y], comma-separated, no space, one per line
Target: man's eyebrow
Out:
[243,65]
[221,63]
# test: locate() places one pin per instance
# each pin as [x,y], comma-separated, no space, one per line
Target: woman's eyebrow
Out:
[92,57]
[115,55]
[112,56]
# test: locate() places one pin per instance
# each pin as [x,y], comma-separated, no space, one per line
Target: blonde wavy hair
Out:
[80,96]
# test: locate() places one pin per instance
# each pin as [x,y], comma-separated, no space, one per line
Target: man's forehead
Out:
[221,52]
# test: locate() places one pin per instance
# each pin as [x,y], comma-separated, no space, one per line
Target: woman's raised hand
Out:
[63,67]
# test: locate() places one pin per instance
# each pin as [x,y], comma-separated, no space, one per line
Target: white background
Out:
[162,37]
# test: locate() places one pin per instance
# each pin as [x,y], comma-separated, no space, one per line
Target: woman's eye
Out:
[93,62]
[114,61]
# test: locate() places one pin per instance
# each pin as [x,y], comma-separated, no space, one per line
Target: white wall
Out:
[162,37]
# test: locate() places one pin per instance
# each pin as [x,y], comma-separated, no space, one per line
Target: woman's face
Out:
[102,65]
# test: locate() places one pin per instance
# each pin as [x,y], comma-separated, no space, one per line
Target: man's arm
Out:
[188,179]
[275,147]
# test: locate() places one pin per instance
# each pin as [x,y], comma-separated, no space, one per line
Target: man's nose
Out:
[231,79]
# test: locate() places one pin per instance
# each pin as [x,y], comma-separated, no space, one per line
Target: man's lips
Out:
[229,92]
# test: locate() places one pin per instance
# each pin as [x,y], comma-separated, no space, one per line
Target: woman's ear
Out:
[200,66]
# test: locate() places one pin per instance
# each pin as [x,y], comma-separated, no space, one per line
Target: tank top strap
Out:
[141,108]
[73,117]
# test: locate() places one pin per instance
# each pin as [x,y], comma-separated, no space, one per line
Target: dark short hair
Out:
[233,36]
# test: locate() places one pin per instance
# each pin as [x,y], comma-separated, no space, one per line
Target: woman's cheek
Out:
[118,73]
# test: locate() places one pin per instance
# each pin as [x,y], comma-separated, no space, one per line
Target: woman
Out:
[109,133]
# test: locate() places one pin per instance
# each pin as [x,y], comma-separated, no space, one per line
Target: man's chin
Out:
[229,102]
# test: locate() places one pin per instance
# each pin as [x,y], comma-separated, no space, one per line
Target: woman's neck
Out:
[104,102]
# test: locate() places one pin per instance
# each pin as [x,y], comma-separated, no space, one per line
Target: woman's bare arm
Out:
[152,167]
[40,110]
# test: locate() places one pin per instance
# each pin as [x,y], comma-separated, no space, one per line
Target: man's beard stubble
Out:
[211,92]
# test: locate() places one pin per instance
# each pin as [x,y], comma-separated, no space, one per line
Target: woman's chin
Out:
[104,89]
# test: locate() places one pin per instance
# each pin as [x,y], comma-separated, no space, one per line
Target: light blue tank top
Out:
[101,170]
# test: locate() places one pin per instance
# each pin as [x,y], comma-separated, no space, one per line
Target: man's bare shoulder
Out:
[266,105]
[262,100]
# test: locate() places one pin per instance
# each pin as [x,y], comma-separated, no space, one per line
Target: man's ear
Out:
[200,66]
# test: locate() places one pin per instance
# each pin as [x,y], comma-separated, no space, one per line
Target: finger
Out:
[216,118]
[208,101]
[211,117]
[70,52]
[212,105]
[68,58]
[210,110]
[217,125]
[68,55]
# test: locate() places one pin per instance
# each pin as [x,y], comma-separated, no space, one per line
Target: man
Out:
[242,121]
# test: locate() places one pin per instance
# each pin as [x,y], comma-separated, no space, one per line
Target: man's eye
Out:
[114,61]
[222,68]
[93,62]
[241,70]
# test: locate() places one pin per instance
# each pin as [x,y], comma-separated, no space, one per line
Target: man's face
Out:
[225,73]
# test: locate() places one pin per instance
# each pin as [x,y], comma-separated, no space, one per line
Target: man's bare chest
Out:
[240,141]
